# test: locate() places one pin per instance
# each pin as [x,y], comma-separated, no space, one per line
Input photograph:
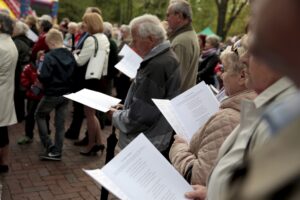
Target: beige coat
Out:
[204,145]
[232,150]
[273,170]
[8,62]
[185,44]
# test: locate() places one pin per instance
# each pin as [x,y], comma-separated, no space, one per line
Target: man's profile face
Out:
[141,45]
[173,19]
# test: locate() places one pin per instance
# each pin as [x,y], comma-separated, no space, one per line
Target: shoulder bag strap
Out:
[96,45]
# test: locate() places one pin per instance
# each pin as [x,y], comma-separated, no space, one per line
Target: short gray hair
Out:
[20,28]
[7,24]
[213,40]
[183,7]
[149,25]
[108,29]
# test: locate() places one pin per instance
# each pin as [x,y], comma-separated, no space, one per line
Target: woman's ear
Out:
[242,78]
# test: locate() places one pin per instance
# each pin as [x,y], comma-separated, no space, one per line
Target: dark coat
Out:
[56,72]
[206,69]
[24,46]
[158,77]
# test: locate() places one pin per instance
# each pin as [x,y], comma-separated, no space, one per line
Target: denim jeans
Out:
[30,118]
[46,105]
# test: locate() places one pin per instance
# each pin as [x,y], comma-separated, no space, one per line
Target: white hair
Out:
[72,25]
[125,28]
[149,25]
[108,29]
[20,28]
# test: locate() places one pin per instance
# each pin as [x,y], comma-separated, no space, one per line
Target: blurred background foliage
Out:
[205,12]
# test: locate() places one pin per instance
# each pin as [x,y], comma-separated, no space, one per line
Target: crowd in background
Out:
[226,156]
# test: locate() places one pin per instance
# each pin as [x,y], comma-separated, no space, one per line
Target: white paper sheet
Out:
[167,110]
[31,35]
[130,62]
[140,172]
[93,99]
[190,110]
[101,179]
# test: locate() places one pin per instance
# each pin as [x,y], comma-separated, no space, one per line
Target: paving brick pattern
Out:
[30,178]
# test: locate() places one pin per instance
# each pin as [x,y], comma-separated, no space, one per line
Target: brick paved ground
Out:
[30,178]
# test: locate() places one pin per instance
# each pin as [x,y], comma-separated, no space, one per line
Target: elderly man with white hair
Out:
[24,45]
[157,77]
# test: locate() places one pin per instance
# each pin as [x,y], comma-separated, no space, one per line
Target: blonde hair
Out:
[232,54]
[72,25]
[31,20]
[54,36]
[94,23]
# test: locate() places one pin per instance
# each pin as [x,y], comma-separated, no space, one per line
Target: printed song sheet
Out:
[190,110]
[140,172]
[93,99]
[130,62]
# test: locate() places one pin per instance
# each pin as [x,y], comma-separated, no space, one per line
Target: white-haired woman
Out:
[195,160]
[24,45]
[208,60]
[112,59]
[8,62]
[70,37]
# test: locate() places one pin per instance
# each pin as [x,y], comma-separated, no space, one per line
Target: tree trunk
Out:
[222,10]
[129,10]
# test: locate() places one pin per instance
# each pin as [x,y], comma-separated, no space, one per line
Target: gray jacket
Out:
[158,77]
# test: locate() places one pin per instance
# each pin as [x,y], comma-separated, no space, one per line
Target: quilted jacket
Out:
[199,155]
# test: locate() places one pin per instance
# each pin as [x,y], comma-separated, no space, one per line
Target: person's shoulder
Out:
[166,58]
[89,39]
[187,35]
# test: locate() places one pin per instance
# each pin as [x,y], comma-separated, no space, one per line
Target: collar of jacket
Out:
[274,90]
[234,101]
[162,47]
[180,30]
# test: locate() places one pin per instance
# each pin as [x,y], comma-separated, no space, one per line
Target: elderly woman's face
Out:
[231,80]
[208,45]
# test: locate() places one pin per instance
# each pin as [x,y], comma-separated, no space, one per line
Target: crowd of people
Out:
[247,150]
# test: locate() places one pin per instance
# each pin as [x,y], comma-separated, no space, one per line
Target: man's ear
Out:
[151,38]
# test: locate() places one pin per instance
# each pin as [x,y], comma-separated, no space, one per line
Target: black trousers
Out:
[3,136]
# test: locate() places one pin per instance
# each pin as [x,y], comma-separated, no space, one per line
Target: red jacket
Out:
[40,45]
[28,79]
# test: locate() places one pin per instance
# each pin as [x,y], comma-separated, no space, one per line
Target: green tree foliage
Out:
[205,12]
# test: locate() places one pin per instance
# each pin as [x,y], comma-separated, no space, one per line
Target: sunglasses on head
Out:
[235,47]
